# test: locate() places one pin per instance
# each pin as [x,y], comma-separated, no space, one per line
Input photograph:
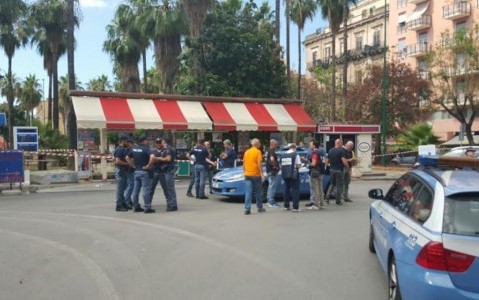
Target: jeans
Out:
[291,190]
[192,180]
[157,177]
[273,182]
[167,182]
[316,185]
[253,186]
[346,181]
[210,179]
[201,172]
[337,178]
[143,182]
[130,175]
[120,176]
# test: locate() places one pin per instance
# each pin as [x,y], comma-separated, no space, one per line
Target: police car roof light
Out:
[435,161]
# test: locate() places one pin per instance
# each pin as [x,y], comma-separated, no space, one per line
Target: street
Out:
[69,243]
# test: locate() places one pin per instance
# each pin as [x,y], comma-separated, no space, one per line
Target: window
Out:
[358,76]
[341,47]
[315,56]
[402,48]
[377,37]
[422,205]
[461,215]
[359,42]
[423,38]
[327,53]
[403,193]
[460,26]
[402,3]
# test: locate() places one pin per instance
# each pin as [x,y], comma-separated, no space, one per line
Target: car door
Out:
[393,215]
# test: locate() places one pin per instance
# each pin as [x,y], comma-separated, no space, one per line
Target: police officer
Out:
[155,166]
[201,168]
[349,155]
[130,175]
[212,157]
[337,163]
[139,158]
[121,167]
[167,180]
[316,172]
[290,164]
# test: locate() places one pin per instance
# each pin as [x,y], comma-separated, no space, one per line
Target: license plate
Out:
[215,185]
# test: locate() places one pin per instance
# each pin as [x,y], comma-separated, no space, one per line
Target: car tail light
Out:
[434,256]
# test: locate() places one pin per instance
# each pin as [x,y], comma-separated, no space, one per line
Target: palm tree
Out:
[332,10]
[101,83]
[300,11]
[278,20]
[346,4]
[71,21]
[123,50]
[30,95]
[50,16]
[65,102]
[288,33]
[419,134]
[196,12]
[43,48]
[13,35]
[169,25]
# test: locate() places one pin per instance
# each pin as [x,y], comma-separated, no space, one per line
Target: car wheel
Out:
[394,291]
[371,238]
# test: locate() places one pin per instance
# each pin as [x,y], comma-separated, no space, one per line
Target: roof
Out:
[460,181]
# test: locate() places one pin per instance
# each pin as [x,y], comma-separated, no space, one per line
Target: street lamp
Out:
[384,94]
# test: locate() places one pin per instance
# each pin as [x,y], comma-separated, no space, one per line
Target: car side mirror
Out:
[376,194]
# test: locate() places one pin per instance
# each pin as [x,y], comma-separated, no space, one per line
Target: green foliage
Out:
[50,138]
[238,54]
[419,134]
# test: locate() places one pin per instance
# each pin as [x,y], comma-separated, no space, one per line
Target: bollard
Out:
[103,169]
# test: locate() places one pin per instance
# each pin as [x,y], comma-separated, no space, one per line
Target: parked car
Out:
[230,182]
[461,151]
[404,160]
[425,232]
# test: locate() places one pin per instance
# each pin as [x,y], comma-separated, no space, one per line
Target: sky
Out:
[91,61]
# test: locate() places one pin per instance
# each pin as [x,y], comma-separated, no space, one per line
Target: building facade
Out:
[417,26]
[365,41]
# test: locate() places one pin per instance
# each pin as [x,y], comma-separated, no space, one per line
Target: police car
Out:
[425,230]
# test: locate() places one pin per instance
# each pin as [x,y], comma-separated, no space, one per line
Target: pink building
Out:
[417,26]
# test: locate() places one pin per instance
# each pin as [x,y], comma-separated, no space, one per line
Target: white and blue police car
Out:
[425,230]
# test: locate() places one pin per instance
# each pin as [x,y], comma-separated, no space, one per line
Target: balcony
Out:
[417,1]
[419,49]
[420,23]
[456,11]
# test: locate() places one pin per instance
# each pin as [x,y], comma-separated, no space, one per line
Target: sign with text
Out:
[11,166]
[3,119]
[25,138]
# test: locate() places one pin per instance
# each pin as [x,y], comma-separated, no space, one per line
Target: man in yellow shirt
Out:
[254,177]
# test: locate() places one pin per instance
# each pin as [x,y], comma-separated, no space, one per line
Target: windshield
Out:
[461,215]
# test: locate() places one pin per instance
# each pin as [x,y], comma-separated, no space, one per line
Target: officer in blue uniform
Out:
[139,158]
[201,168]
[130,175]
[121,167]
[290,164]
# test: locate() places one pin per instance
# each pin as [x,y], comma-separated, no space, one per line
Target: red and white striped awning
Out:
[259,117]
[124,114]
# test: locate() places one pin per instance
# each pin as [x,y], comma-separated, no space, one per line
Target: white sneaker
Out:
[313,207]
[295,210]
[273,205]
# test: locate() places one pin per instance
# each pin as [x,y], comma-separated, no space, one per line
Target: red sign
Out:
[351,129]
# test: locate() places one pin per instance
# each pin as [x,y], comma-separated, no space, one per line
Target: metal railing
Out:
[423,21]
[418,49]
[459,8]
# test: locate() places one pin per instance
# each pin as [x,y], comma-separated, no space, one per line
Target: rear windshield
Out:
[461,215]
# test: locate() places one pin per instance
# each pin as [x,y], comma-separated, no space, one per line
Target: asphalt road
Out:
[71,244]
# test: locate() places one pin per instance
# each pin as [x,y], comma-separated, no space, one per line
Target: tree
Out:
[124,51]
[238,53]
[169,25]
[288,37]
[407,98]
[277,18]
[13,35]
[196,12]
[453,70]
[30,95]
[50,17]
[416,135]
[300,12]
[66,105]
[71,120]
[346,4]
[332,10]
[101,83]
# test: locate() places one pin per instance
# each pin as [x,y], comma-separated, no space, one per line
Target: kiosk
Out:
[361,135]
